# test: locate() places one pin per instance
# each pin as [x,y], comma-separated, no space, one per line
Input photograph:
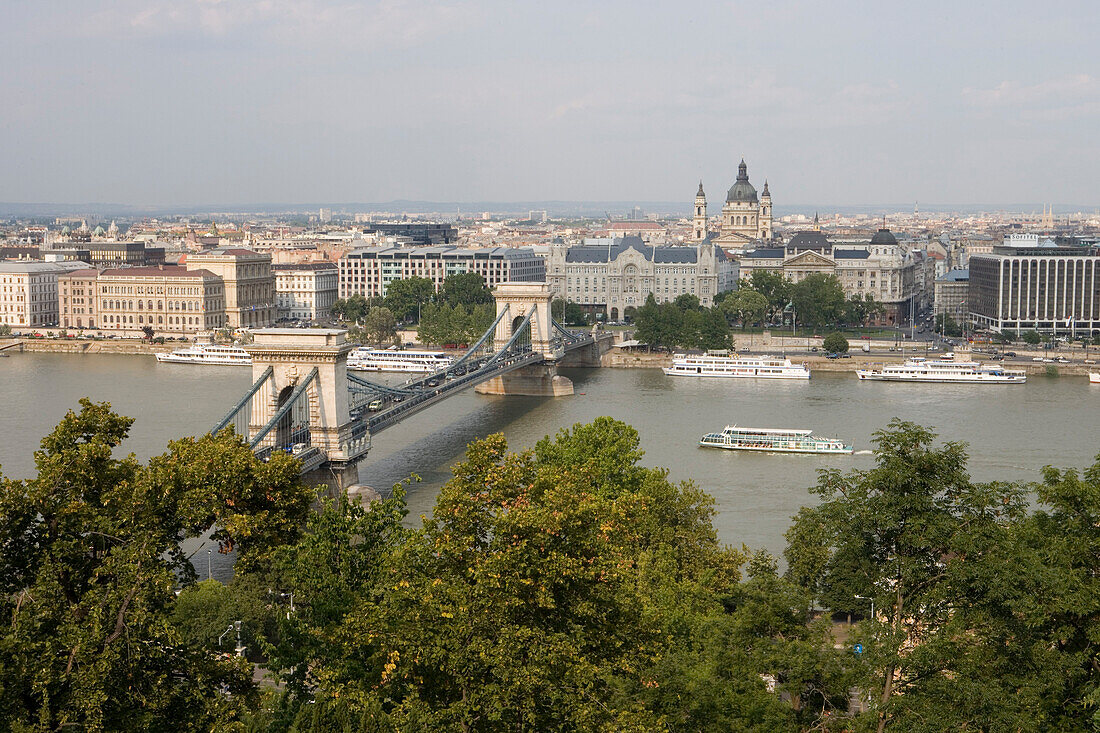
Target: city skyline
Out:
[215,103]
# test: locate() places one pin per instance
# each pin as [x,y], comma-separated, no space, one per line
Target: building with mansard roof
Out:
[615,276]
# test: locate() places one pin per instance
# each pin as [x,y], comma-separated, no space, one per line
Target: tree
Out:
[895,534]
[687,302]
[774,287]
[351,309]
[835,343]
[380,326]
[818,299]
[5,330]
[947,325]
[405,298]
[858,308]
[148,331]
[745,305]
[1032,337]
[89,557]
[570,313]
[465,288]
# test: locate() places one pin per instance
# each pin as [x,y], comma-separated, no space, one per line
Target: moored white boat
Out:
[725,365]
[216,354]
[943,371]
[1094,377]
[392,360]
[773,440]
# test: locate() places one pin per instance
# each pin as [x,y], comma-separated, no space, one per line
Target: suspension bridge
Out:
[304,401]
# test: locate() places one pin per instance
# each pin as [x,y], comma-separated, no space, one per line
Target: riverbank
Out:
[89,346]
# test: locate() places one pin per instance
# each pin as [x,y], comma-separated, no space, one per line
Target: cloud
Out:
[1062,98]
[387,23]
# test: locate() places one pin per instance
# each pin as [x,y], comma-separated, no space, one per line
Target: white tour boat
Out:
[724,364]
[208,354]
[392,360]
[773,440]
[1094,377]
[943,370]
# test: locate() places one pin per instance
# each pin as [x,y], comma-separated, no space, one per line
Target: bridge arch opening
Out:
[614,314]
[516,324]
[283,428]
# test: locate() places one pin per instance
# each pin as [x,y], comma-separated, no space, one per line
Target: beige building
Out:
[170,300]
[306,291]
[249,284]
[28,292]
[76,296]
[746,217]
[881,268]
[951,294]
[616,276]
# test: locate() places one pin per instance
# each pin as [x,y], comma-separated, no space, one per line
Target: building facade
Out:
[881,268]
[169,300]
[951,293]
[418,232]
[1047,288]
[369,271]
[28,292]
[306,291]
[76,296]
[746,217]
[249,284]
[617,277]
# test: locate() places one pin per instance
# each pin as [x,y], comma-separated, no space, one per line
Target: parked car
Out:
[375,405]
[1010,354]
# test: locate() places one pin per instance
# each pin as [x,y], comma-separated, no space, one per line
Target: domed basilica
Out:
[746,218]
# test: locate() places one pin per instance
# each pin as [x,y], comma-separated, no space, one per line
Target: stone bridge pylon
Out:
[541,380]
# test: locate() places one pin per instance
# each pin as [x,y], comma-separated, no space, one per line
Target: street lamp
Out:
[872,600]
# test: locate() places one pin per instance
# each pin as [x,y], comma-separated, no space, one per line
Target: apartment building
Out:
[169,300]
[306,291]
[76,297]
[249,284]
[369,271]
[28,292]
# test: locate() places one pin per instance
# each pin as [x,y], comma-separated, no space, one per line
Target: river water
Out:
[1012,431]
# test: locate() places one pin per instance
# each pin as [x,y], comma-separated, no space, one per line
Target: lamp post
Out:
[209,572]
[872,600]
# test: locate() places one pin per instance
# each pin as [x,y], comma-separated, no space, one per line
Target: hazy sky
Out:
[248,101]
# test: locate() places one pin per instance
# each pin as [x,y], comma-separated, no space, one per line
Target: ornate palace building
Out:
[746,217]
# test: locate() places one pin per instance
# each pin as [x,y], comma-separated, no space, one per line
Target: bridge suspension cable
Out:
[243,408]
[284,409]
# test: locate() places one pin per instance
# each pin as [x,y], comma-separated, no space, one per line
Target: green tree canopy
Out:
[774,287]
[405,297]
[818,299]
[465,288]
[1031,337]
[835,343]
[89,556]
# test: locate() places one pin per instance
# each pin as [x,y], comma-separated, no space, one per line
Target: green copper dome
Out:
[742,191]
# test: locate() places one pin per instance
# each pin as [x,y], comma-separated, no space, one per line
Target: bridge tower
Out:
[309,366]
[541,380]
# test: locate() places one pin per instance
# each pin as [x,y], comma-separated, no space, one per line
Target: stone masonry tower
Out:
[765,212]
[699,228]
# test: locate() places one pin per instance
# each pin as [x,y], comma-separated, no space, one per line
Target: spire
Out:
[700,193]
[743,171]
[817,225]
[765,192]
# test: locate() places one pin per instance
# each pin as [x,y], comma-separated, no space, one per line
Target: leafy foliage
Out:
[405,297]
[682,323]
[835,343]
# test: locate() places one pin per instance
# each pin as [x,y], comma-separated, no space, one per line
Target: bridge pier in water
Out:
[537,380]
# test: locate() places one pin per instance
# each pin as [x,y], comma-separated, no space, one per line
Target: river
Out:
[1012,431]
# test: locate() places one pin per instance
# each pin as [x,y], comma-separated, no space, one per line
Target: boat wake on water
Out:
[863,453]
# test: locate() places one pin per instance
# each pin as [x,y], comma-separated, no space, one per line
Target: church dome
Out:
[742,191]
[884,236]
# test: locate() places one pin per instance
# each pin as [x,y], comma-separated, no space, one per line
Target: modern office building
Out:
[119,254]
[306,291]
[169,300]
[369,271]
[249,284]
[418,232]
[1047,288]
[617,276]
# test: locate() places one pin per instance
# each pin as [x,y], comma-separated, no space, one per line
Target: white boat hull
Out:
[945,379]
[738,374]
[1094,377]
[774,449]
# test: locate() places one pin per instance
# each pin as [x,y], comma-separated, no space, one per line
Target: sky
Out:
[162,102]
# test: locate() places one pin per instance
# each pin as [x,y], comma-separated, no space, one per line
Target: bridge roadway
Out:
[433,389]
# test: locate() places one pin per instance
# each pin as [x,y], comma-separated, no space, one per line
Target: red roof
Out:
[153,271]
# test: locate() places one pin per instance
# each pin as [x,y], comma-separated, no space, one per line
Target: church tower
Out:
[765,212]
[699,227]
